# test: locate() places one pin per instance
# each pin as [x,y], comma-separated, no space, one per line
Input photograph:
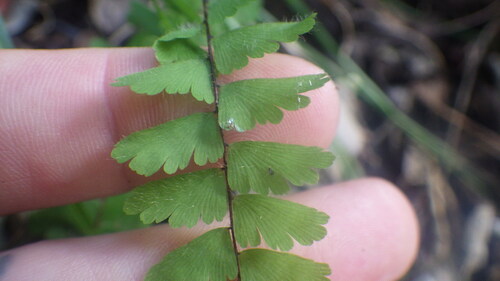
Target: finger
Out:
[372,235]
[60,119]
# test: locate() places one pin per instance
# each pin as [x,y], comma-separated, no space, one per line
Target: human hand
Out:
[60,118]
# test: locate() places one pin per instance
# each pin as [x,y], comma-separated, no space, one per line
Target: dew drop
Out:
[229,124]
[299,101]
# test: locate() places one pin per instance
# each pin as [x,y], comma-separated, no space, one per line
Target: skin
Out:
[60,119]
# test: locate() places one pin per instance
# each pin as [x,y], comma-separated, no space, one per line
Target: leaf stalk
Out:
[213,74]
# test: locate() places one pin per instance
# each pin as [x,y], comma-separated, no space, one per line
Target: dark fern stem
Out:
[215,87]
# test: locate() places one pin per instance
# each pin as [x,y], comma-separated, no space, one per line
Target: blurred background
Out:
[420,90]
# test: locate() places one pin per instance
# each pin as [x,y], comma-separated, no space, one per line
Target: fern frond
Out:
[203,39]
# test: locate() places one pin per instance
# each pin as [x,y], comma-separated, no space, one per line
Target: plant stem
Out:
[215,87]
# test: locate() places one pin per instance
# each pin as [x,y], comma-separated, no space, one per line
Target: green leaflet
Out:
[250,14]
[183,199]
[245,102]
[264,166]
[183,32]
[178,50]
[178,45]
[277,220]
[219,10]
[232,49]
[171,145]
[266,265]
[209,257]
[195,78]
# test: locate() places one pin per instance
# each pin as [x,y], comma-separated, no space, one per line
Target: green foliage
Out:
[264,166]
[172,145]
[245,102]
[247,166]
[266,265]
[219,10]
[183,199]
[209,257]
[143,18]
[249,14]
[175,13]
[91,217]
[190,9]
[5,40]
[196,80]
[179,45]
[277,220]
[232,49]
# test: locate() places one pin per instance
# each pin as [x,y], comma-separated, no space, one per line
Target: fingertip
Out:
[373,231]
[372,236]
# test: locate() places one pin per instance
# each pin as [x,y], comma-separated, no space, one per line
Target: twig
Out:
[490,12]
[473,60]
[490,140]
